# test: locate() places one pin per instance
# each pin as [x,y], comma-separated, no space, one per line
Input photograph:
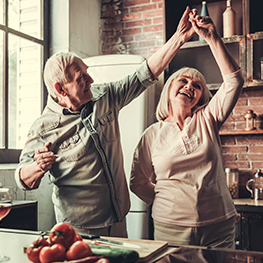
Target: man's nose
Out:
[89,78]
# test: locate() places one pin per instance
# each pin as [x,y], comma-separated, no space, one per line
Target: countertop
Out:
[12,243]
[22,203]
[248,205]
[248,201]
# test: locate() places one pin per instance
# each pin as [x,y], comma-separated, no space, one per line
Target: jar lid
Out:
[258,173]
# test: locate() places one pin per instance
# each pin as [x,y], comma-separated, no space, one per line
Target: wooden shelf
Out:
[203,43]
[241,132]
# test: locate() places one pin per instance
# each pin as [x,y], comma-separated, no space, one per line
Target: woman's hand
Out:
[206,29]
[203,26]
[44,157]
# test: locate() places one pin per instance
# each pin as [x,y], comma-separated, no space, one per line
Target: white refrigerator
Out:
[133,121]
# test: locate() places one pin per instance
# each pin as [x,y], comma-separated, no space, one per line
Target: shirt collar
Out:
[54,106]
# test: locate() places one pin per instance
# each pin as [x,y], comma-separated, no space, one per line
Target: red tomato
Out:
[79,249]
[56,252]
[62,233]
[78,237]
[33,250]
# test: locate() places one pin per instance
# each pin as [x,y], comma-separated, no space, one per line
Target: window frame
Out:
[12,155]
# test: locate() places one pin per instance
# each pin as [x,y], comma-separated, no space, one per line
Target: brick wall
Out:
[136,27]
[244,152]
[131,26]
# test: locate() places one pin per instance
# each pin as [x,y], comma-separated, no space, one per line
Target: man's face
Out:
[78,89]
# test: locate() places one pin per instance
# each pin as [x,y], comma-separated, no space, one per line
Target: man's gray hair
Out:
[56,70]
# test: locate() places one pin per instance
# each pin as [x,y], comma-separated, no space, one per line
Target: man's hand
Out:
[44,157]
[185,29]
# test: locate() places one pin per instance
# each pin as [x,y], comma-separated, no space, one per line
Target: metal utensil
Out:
[111,242]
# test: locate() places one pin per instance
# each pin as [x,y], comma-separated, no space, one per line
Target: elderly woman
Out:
[177,165]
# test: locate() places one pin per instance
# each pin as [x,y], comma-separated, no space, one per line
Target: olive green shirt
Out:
[90,188]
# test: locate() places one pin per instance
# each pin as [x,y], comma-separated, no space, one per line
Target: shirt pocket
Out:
[109,126]
[73,149]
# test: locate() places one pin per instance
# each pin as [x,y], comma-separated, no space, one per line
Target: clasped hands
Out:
[191,23]
[44,157]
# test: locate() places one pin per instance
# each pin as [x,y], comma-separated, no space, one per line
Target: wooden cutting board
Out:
[152,247]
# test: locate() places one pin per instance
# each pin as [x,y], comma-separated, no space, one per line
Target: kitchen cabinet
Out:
[23,215]
[249,226]
[246,46]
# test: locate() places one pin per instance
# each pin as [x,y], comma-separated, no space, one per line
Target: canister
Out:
[232,180]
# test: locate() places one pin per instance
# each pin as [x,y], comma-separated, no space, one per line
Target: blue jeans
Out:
[221,234]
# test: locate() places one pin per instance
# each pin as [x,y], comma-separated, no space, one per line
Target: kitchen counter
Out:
[12,243]
[248,205]
[249,225]
[205,255]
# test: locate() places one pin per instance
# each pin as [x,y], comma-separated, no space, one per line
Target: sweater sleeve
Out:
[226,97]
[142,171]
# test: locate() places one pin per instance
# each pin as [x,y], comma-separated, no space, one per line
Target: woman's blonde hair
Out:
[57,70]
[162,111]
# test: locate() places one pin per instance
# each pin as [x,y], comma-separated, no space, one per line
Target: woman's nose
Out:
[189,87]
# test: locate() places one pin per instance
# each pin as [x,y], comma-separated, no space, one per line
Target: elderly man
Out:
[76,140]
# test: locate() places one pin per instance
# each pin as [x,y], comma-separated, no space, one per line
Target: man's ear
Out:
[59,89]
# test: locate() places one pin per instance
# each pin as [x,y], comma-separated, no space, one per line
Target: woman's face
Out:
[185,90]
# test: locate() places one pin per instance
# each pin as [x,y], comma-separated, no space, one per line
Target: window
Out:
[23,50]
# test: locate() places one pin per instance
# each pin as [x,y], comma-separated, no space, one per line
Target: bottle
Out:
[204,12]
[229,21]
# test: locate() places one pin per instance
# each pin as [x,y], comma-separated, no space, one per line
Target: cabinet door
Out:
[251,231]
[22,217]
[255,59]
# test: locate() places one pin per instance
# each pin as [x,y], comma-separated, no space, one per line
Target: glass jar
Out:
[232,180]
[250,117]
